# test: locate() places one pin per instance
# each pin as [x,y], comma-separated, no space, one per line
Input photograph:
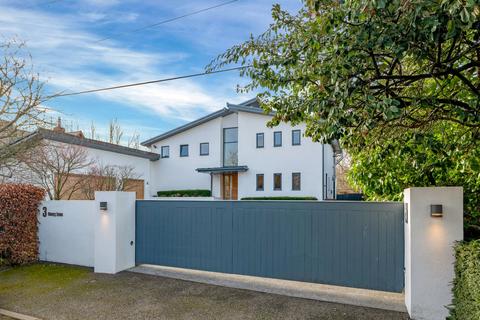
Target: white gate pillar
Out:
[430,234]
[114,231]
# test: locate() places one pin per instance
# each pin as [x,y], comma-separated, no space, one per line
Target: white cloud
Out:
[70,59]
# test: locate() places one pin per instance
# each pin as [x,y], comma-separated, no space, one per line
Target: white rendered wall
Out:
[177,172]
[114,231]
[68,238]
[429,254]
[305,158]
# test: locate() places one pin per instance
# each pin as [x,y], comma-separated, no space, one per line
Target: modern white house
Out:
[234,154]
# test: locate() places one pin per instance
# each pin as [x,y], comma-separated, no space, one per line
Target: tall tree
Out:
[398,82]
[445,155]
[20,101]
[345,67]
[115,132]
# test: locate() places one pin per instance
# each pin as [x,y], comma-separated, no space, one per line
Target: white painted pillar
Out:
[429,255]
[114,231]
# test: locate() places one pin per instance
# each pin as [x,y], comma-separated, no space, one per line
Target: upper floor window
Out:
[184,150]
[277,181]
[296,181]
[296,137]
[260,140]
[260,181]
[277,139]
[204,149]
[165,151]
[230,147]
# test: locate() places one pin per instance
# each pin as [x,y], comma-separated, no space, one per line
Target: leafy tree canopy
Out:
[445,155]
[398,82]
[348,67]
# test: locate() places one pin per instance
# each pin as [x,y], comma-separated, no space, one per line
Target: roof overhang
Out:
[227,169]
[220,113]
[250,106]
[243,108]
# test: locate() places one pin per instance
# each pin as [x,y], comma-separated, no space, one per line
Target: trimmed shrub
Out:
[279,198]
[184,193]
[466,286]
[18,222]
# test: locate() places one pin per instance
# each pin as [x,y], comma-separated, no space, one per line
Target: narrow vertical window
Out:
[296,181]
[204,149]
[277,181]
[184,150]
[277,139]
[230,147]
[165,151]
[296,137]
[260,140]
[260,182]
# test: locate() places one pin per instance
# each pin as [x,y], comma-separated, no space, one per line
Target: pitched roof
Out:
[89,143]
[247,108]
[251,106]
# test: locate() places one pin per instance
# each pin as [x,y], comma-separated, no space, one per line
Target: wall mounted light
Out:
[436,210]
[103,206]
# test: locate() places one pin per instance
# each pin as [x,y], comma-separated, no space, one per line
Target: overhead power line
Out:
[167,21]
[146,82]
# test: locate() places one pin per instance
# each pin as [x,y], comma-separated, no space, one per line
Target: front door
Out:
[230,186]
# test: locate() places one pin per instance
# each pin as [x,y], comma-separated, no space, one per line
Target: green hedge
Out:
[466,286]
[279,198]
[184,193]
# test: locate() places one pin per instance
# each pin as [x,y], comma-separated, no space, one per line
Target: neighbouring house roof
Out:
[223,169]
[251,106]
[89,143]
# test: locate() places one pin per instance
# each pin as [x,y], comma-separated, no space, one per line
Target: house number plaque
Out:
[46,213]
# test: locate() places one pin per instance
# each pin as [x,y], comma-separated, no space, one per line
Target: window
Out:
[277,181]
[184,150]
[277,139]
[165,152]
[204,149]
[259,182]
[230,147]
[296,181]
[296,137]
[260,140]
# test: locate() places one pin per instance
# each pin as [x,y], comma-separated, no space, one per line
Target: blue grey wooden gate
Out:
[354,244]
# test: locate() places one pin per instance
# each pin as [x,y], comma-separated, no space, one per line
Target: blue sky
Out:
[61,37]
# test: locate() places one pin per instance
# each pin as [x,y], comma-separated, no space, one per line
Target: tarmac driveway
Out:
[52,291]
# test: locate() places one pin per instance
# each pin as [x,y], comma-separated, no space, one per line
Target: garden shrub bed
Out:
[466,286]
[185,193]
[279,198]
